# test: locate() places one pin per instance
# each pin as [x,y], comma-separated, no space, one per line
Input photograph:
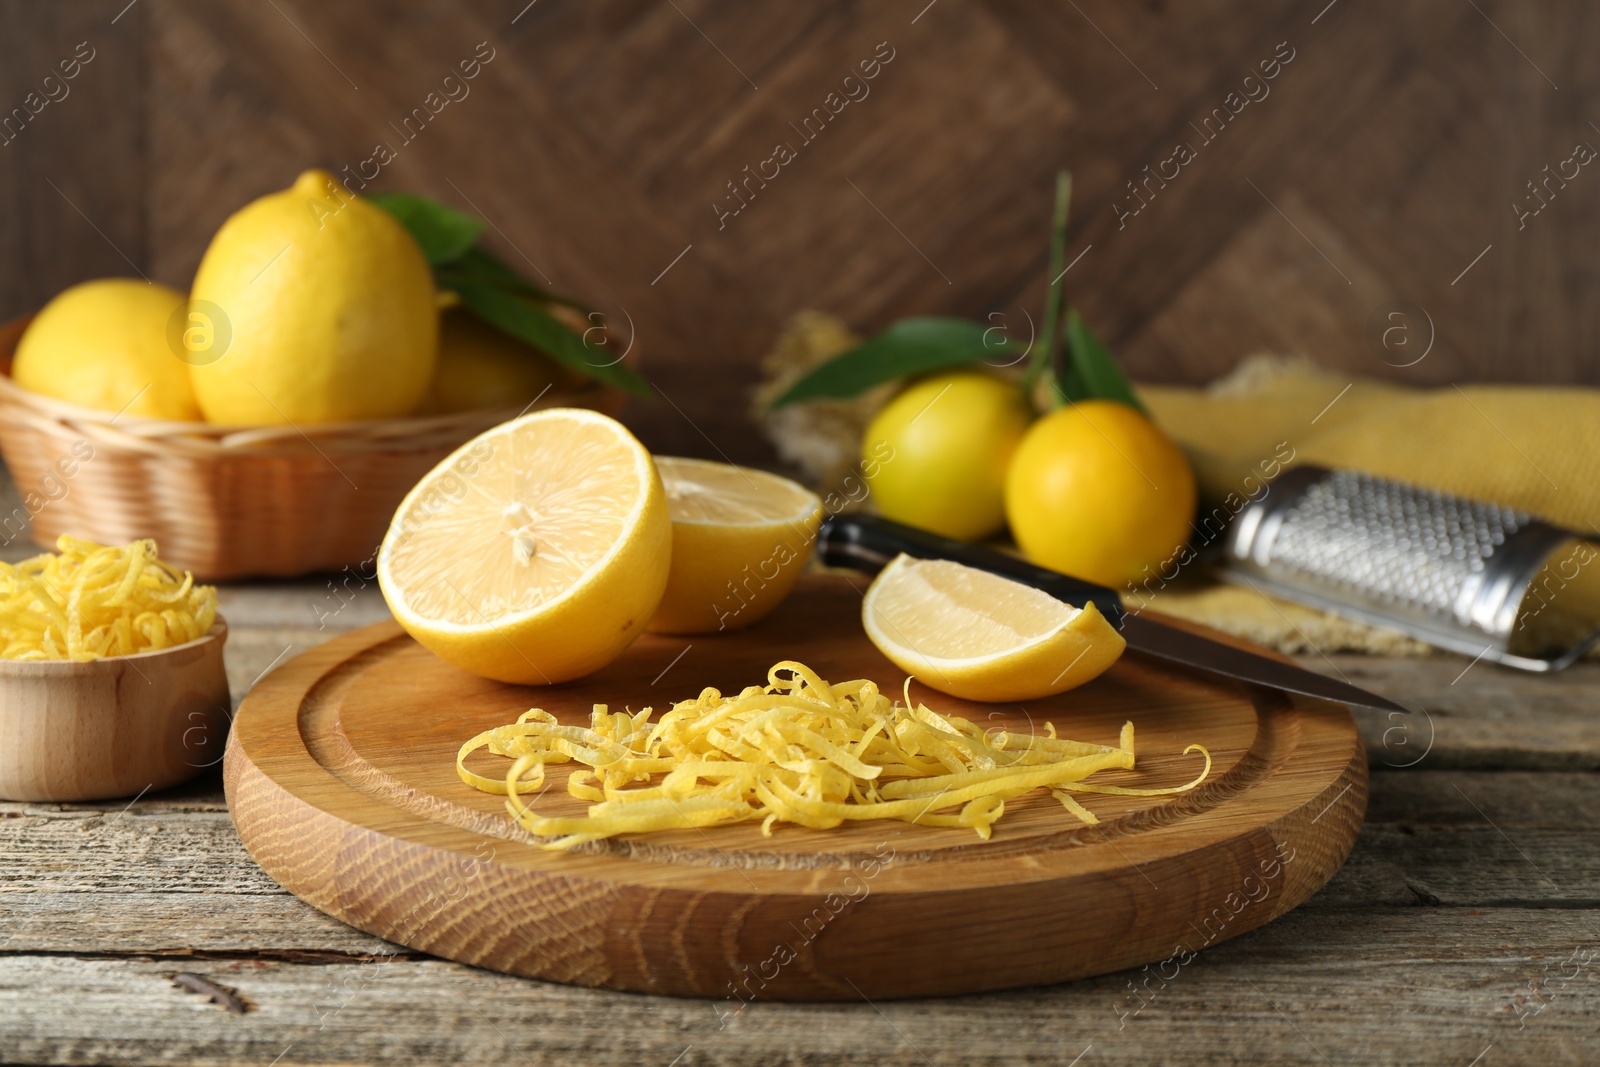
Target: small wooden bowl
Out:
[112,727]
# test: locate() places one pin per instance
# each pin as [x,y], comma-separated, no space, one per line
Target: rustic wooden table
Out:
[1465,928]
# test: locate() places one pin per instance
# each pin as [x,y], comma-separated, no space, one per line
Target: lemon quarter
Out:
[535,553]
[740,538]
[979,636]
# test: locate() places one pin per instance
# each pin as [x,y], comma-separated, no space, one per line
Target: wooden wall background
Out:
[1382,166]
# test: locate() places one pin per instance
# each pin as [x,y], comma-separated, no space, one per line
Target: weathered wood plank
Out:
[72,161]
[158,877]
[167,875]
[1399,142]
[1394,988]
[1474,715]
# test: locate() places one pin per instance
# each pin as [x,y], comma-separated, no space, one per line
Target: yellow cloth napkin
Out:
[1530,447]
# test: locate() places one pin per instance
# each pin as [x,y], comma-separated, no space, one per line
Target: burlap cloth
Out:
[1533,448]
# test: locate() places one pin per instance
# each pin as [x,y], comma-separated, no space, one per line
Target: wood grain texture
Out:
[173,879]
[111,727]
[1402,986]
[344,790]
[73,178]
[1474,715]
[1437,939]
[1376,166]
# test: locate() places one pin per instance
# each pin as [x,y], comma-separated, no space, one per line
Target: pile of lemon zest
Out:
[88,601]
[797,750]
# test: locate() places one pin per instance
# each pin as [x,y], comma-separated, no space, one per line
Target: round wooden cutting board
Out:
[341,779]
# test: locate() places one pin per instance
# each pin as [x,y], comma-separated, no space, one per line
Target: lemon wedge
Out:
[979,636]
[740,538]
[535,553]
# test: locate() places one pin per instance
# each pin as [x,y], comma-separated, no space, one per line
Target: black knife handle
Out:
[867,543]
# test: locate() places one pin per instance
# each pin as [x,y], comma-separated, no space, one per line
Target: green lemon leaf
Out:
[477,266]
[444,233]
[1091,371]
[908,347]
[524,319]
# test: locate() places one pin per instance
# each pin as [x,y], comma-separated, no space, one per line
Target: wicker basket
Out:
[224,503]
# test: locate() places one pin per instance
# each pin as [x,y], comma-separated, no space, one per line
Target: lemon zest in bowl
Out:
[89,601]
[796,750]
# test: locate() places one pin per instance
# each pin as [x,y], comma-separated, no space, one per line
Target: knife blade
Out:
[867,543]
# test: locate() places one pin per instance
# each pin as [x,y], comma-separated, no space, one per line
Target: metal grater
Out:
[1466,575]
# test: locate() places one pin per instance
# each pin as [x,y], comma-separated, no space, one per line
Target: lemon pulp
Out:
[536,552]
[977,635]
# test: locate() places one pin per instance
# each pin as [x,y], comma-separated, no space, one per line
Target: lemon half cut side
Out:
[979,636]
[535,553]
[740,539]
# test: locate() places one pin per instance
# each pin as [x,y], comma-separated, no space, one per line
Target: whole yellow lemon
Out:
[311,305]
[1096,491]
[103,345]
[482,367]
[936,455]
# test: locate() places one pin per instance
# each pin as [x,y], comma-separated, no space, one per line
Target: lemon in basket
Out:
[319,307]
[534,553]
[979,636]
[740,539]
[103,345]
[483,367]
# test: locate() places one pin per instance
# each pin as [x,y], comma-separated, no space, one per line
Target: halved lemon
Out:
[535,552]
[740,538]
[979,636]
